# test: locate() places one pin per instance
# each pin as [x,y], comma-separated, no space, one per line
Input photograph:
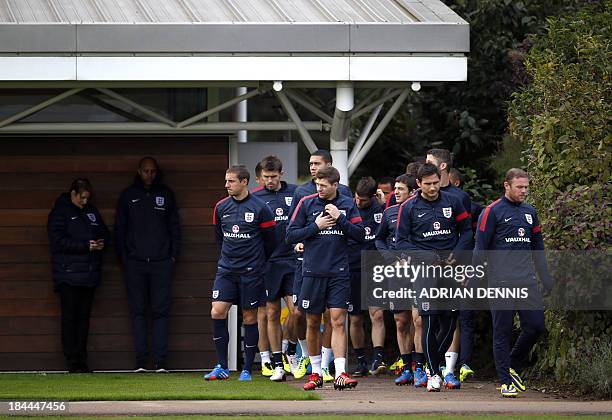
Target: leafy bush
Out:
[595,368]
[469,118]
[562,121]
[509,155]
[479,190]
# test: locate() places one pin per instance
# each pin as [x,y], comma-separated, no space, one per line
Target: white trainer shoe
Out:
[434,383]
[278,375]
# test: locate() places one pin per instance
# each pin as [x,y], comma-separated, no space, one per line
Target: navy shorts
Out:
[354,306]
[319,293]
[297,280]
[244,289]
[279,279]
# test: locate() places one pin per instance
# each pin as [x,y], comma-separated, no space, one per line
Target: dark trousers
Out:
[76,302]
[532,326]
[437,336]
[149,283]
[467,328]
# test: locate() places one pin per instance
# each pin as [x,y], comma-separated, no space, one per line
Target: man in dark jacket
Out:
[324,222]
[77,235]
[148,235]
[510,230]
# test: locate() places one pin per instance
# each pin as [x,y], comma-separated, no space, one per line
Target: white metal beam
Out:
[373,105]
[241,113]
[365,132]
[338,138]
[151,127]
[291,113]
[366,100]
[137,106]
[218,108]
[299,98]
[378,131]
[38,107]
[242,69]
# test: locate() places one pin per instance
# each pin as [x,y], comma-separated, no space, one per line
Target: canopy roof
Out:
[216,26]
[231,40]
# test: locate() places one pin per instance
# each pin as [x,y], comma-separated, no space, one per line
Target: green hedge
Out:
[562,119]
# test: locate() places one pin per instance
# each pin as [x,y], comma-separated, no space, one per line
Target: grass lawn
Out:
[130,386]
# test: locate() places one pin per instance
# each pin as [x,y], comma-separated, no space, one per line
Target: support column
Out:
[240,114]
[338,139]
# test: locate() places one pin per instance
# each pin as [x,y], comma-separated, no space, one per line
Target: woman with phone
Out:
[77,236]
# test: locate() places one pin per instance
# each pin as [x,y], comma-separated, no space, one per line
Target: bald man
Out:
[148,235]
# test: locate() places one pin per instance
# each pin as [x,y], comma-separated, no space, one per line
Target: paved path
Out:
[372,396]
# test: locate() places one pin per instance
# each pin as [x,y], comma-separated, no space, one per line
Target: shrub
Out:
[562,121]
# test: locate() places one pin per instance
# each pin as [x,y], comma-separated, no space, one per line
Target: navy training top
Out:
[244,230]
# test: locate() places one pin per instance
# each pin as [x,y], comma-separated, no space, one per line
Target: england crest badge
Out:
[288,201]
[249,217]
[447,212]
[529,219]
[91,217]
[377,217]
[159,201]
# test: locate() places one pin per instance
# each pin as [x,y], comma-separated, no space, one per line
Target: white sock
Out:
[315,361]
[451,360]
[304,347]
[340,363]
[326,353]
[284,345]
[265,357]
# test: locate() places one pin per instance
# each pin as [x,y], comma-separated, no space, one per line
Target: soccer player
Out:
[511,228]
[371,215]
[324,222]
[405,320]
[411,169]
[435,225]
[263,344]
[385,188]
[278,195]
[244,229]
[319,159]
[465,334]
[442,158]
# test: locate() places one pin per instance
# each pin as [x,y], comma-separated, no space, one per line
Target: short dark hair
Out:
[366,187]
[386,180]
[327,157]
[241,172]
[426,170]
[515,173]
[329,173]
[258,170]
[408,180]
[146,158]
[271,164]
[455,173]
[442,156]
[413,168]
[81,184]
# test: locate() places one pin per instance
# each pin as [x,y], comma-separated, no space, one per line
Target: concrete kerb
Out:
[345,407]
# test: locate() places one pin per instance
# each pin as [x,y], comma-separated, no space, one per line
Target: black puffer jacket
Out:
[147,222]
[70,229]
